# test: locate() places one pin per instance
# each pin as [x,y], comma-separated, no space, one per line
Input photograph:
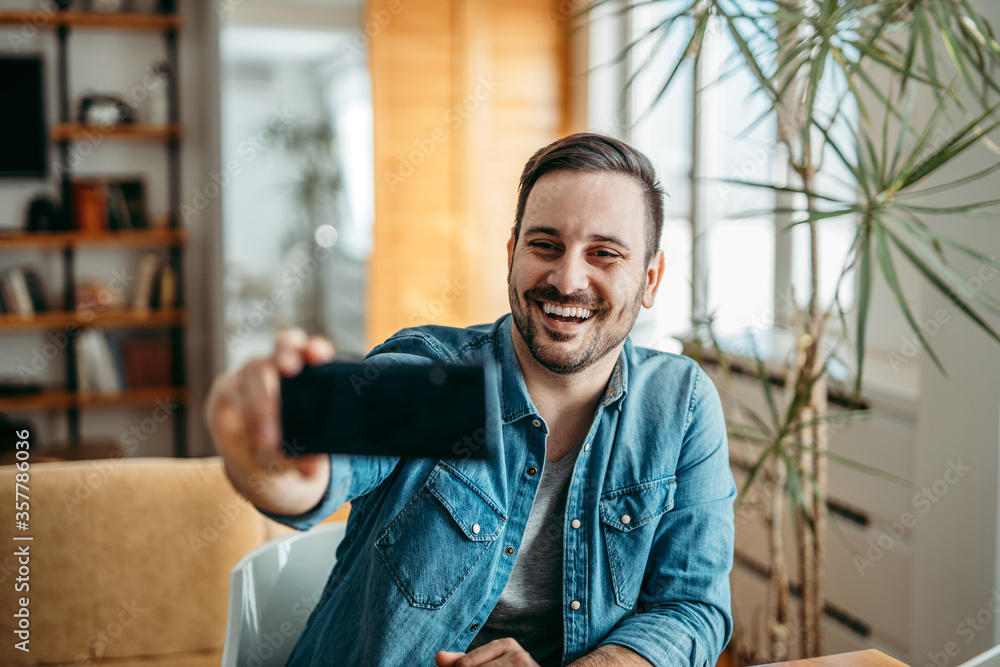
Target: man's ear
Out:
[654,274]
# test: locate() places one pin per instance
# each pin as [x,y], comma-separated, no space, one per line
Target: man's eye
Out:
[542,245]
[606,254]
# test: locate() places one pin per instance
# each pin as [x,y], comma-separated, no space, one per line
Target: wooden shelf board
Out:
[123,131]
[87,449]
[139,237]
[60,319]
[60,398]
[135,21]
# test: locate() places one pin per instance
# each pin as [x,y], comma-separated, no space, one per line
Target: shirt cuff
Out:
[662,640]
[336,494]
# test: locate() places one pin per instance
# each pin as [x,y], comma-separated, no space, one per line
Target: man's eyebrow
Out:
[549,231]
[616,240]
[598,238]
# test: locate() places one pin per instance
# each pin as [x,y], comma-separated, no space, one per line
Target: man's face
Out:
[576,275]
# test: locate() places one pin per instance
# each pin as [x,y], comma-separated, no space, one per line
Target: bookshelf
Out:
[162,234]
[117,20]
[137,238]
[55,399]
[133,131]
[119,319]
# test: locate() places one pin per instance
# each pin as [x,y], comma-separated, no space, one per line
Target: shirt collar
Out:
[515,402]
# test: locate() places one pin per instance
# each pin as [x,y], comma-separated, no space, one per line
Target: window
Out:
[726,254]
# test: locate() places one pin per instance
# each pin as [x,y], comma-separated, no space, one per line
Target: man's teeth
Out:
[553,309]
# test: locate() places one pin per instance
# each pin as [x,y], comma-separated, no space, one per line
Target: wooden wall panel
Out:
[464,91]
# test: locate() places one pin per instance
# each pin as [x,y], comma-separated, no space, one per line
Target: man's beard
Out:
[607,329]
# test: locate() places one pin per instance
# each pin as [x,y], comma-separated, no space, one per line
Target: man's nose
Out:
[570,274]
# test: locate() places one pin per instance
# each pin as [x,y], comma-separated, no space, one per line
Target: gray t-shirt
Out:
[530,607]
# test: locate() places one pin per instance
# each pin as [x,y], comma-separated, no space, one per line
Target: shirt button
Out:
[575,523]
[475,529]
[510,551]
[536,423]
[626,519]
[532,471]
[475,626]
[586,446]
[574,605]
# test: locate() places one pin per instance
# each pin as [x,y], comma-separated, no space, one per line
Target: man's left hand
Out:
[498,653]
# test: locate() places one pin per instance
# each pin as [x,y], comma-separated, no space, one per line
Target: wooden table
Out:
[869,658]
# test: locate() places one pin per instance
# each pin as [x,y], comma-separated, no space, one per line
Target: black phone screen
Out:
[409,410]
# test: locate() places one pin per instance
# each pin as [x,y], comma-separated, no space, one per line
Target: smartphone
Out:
[433,411]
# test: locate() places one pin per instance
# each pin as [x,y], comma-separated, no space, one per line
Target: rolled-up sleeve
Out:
[683,614]
[350,477]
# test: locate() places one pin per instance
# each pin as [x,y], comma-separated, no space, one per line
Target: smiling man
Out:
[600,530]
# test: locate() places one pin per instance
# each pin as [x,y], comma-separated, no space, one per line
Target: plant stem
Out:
[778,592]
[811,522]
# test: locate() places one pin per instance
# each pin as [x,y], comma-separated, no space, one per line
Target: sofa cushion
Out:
[129,562]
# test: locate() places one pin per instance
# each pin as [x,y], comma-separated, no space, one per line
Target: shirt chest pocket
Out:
[629,518]
[437,538]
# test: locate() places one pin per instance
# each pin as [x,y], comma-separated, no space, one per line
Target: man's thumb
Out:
[447,658]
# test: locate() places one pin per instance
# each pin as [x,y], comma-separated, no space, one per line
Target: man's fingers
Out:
[243,415]
[291,337]
[496,653]
[319,350]
[288,351]
[258,384]
[446,658]
[293,349]
[225,420]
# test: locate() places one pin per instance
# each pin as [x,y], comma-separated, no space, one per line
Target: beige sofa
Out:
[128,563]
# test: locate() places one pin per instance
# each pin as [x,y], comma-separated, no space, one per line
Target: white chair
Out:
[272,591]
[990,658]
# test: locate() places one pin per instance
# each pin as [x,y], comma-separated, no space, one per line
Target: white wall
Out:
[955,555]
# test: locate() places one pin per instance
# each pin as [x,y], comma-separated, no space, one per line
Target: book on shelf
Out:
[147,360]
[134,192]
[114,204]
[119,216]
[15,293]
[145,284]
[36,289]
[114,349]
[156,285]
[90,207]
[166,293]
[21,292]
[99,363]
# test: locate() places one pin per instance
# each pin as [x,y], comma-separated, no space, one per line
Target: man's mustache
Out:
[573,300]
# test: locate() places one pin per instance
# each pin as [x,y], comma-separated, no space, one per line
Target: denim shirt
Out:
[430,544]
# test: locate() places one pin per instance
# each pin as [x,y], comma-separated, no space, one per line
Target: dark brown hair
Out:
[596,153]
